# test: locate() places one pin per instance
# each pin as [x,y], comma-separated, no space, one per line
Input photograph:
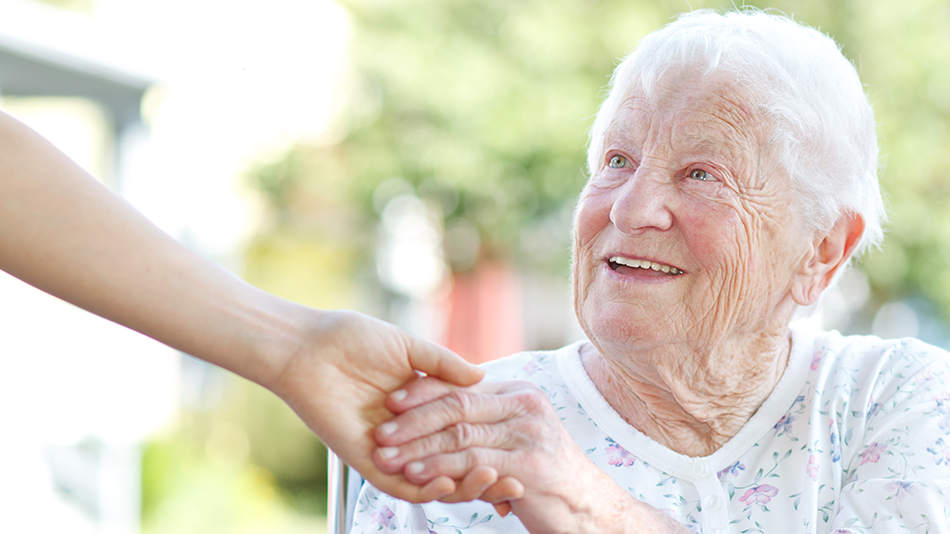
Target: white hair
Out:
[822,125]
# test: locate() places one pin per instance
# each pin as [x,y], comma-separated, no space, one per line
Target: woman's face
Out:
[686,183]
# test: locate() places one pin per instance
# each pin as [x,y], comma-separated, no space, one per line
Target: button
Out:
[701,469]
[717,530]
[711,503]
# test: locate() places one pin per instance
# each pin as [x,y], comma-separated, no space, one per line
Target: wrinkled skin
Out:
[512,427]
[687,180]
[701,349]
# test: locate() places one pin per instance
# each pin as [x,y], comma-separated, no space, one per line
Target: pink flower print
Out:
[923,376]
[761,494]
[384,516]
[841,531]
[731,470]
[873,454]
[617,456]
[816,360]
[901,488]
[812,468]
[531,367]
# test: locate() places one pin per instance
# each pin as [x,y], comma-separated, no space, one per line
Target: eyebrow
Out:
[619,129]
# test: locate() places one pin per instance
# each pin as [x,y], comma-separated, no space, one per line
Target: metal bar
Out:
[336,494]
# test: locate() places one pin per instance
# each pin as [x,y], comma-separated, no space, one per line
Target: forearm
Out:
[590,503]
[65,233]
[607,508]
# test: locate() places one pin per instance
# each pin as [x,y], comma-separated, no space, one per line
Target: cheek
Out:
[714,235]
[593,215]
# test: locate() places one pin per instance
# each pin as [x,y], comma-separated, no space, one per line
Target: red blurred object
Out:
[486,317]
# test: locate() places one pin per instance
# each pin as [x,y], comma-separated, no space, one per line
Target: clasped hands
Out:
[500,442]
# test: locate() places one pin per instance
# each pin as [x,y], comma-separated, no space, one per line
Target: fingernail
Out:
[415,468]
[399,395]
[388,428]
[388,453]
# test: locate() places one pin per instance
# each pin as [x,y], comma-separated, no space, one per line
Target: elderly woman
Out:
[732,177]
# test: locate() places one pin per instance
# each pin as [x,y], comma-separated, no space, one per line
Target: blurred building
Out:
[77,393]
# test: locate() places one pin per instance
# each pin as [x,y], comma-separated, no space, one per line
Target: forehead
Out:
[691,111]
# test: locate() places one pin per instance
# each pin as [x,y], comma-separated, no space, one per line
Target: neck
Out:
[691,400]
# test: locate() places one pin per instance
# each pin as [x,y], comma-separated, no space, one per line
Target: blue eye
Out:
[617,162]
[699,174]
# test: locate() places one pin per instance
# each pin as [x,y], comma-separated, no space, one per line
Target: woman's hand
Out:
[512,429]
[338,379]
[65,233]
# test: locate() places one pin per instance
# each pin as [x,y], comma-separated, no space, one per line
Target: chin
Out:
[612,325]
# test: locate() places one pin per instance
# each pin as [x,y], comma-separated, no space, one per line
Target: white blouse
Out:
[854,438]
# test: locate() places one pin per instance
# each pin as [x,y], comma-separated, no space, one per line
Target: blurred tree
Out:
[483,106]
[81,6]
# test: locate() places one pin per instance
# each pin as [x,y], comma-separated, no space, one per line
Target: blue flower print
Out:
[945,424]
[941,452]
[835,445]
[943,402]
[784,424]
[731,470]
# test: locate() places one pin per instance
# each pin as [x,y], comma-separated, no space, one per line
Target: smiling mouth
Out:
[617,261]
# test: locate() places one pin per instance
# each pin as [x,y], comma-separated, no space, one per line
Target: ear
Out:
[829,253]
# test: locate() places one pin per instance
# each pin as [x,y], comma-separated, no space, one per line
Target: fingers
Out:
[455,465]
[502,493]
[503,508]
[401,488]
[440,362]
[436,489]
[417,392]
[506,489]
[455,438]
[452,408]
[486,488]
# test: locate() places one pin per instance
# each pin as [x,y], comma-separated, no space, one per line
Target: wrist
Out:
[604,507]
[250,332]
[277,331]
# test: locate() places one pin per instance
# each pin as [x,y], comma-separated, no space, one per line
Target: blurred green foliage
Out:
[487,104]
[243,463]
[483,108]
[81,6]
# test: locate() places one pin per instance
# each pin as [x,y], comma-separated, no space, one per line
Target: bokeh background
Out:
[417,160]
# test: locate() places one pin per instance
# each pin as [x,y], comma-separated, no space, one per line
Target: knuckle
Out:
[477,457]
[460,402]
[461,435]
[534,400]
[531,432]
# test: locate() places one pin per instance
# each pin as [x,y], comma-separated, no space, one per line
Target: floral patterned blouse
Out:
[855,438]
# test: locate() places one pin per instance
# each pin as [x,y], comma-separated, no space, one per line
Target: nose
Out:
[642,203]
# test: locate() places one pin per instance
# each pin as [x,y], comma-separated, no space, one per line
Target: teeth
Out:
[645,264]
